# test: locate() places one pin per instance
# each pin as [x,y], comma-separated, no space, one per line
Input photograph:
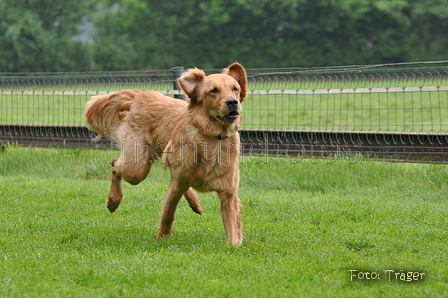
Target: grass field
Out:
[306,225]
[407,111]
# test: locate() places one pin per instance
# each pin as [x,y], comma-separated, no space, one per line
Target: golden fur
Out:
[198,140]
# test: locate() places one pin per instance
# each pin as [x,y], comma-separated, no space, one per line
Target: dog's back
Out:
[133,111]
[103,113]
[156,115]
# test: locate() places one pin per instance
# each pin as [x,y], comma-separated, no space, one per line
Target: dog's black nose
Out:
[232,103]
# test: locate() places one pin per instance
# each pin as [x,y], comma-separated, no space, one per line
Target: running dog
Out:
[197,140]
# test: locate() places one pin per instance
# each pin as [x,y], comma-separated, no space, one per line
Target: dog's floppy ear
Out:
[189,80]
[238,72]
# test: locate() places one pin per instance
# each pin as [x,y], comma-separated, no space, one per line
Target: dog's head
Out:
[218,96]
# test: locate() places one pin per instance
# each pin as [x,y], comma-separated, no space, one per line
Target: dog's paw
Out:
[197,209]
[112,205]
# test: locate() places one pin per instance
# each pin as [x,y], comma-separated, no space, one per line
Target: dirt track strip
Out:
[326,145]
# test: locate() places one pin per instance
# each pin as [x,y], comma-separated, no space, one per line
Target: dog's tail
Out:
[105,113]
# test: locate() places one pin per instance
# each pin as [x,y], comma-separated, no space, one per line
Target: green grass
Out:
[305,226]
[42,109]
[410,111]
[402,111]
[407,111]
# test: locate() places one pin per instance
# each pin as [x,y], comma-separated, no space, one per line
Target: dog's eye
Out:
[235,89]
[214,90]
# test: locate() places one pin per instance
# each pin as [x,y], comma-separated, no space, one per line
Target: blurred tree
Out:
[38,35]
[44,35]
[258,33]
[428,30]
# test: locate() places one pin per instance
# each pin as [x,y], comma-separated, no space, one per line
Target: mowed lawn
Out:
[400,111]
[306,225]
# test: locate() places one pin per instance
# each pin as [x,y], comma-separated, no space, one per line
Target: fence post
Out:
[177,72]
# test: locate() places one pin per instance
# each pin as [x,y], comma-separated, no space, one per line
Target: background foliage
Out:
[44,35]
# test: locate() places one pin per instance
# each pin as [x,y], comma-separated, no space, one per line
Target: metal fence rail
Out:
[401,101]
[329,146]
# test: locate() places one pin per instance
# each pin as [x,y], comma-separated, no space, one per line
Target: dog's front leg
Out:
[231,217]
[172,197]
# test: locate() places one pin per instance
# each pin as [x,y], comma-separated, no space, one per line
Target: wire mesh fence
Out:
[59,98]
[389,99]
[396,97]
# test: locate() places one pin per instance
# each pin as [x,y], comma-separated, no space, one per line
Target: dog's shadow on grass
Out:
[130,239]
[134,228]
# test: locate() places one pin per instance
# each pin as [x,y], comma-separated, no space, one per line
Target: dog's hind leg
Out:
[115,193]
[193,201]
[133,166]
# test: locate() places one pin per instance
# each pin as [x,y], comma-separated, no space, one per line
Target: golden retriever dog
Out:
[198,140]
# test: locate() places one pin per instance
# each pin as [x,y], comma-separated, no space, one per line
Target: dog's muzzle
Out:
[232,111]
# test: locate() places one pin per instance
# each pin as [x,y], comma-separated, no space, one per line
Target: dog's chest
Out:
[208,170]
[212,177]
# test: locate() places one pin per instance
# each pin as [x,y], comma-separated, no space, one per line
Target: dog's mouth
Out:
[230,117]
